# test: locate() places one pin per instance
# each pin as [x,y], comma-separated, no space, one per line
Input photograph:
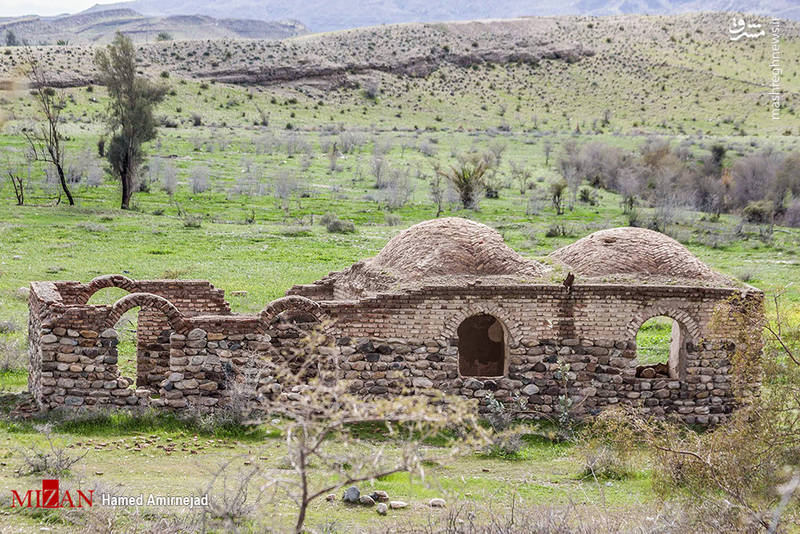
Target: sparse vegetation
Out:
[467,177]
[640,133]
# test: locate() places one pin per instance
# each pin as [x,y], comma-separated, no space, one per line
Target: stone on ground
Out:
[351,495]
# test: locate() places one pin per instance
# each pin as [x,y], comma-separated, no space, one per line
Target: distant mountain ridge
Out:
[328,15]
[100,25]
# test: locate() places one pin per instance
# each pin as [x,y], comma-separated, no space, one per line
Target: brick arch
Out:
[146,300]
[511,326]
[294,303]
[102,282]
[681,316]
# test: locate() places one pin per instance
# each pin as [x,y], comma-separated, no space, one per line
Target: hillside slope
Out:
[326,15]
[100,27]
[677,74]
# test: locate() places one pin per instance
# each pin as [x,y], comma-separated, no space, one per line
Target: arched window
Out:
[128,344]
[106,296]
[143,335]
[481,346]
[661,348]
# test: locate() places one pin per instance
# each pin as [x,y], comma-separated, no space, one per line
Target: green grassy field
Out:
[128,456]
[264,258]
[255,228]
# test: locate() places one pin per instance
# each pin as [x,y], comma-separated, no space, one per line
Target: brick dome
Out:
[452,246]
[634,251]
[447,251]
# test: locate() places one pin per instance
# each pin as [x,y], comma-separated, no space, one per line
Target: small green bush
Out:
[758,212]
[339,226]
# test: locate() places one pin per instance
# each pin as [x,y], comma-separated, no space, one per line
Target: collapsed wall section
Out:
[73,345]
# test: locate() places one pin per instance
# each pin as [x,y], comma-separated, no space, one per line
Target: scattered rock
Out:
[330,497]
[380,496]
[351,495]
[381,508]
[396,505]
[366,500]
[437,503]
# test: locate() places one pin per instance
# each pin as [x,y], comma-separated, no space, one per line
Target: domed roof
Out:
[637,251]
[452,246]
[442,251]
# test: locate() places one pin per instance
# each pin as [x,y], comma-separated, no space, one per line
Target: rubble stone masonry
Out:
[191,347]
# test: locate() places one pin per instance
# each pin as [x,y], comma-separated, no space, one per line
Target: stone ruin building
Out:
[446,304]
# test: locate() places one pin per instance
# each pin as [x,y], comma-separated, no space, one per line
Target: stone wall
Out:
[73,347]
[199,354]
[410,341]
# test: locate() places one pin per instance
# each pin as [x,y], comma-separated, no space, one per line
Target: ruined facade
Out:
[446,305]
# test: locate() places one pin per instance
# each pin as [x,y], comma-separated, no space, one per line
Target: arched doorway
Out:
[481,346]
[144,323]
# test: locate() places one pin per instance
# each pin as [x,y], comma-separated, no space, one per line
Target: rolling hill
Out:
[325,15]
[673,73]
[100,26]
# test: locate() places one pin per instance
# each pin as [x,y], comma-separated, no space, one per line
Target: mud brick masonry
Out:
[445,305]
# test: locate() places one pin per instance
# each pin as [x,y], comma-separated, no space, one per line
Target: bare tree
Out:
[307,388]
[629,186]
[398,188]
[379,168]
[46,140]
[437,191]
[570,166]
[17,181]
[548,149]
[752,177]
[284,186]
[496,150]
[521,175]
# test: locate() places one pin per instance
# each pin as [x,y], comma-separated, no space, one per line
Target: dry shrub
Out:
[469,517]
[602,462]
[235,496]
[12,356]
[99,519]
[53,460]
[329,433]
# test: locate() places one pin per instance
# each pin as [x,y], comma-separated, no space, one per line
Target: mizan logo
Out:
[50,497]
